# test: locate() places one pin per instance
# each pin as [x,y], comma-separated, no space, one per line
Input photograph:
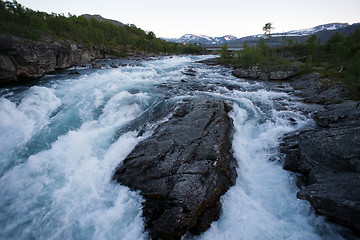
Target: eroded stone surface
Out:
[183,169]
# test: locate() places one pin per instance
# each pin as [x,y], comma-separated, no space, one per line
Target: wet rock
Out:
[336,196]
[183,169]
[329,157]
[335,148]
[209,61]
[113,65]
[189,72]
[96,65]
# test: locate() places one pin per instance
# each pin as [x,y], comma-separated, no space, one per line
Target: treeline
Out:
[16,20]
[338,59]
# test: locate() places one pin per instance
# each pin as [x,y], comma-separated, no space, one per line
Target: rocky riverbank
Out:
[22,60]
[183,169]
[328,155]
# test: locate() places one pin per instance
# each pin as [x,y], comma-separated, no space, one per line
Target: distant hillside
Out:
[88,30]
[201,39]
[101,19]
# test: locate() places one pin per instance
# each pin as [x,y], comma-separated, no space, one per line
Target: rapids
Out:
[62,138]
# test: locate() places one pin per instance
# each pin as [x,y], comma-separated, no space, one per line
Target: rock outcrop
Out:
[328,155]
[183,169]
[312,88]
[260,73]
[24,59]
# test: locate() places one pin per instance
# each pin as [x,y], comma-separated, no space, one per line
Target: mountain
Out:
[201,39]
[101,19]
[323,32]
[314,30]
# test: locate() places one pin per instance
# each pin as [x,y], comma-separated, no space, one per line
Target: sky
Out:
[215,18]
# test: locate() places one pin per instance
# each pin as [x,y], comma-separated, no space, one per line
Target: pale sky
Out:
[213,18]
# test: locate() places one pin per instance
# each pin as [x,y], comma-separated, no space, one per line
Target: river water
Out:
[61,140]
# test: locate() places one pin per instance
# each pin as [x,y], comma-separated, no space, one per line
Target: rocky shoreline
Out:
[23,60]
[327,155]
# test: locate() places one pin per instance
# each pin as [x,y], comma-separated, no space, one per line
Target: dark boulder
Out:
[183,169]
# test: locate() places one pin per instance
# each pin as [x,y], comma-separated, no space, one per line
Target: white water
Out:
[61,141]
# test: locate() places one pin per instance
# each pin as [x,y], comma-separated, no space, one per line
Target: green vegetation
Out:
[338,59]
[16,20]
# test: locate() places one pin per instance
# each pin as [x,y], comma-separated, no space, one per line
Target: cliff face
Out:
[22,59]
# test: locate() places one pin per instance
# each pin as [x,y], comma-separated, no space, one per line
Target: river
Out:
[62,139]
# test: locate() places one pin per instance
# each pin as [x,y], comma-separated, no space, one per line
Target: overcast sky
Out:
[214,18]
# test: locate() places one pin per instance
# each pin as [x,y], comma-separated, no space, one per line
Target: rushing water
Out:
[61,140]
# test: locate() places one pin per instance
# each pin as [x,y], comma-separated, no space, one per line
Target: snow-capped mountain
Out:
[302,32]
[310,31]
[295,34]
[323,32]
[201,39]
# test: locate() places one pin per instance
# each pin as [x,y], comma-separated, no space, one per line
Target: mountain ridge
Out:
[324,31]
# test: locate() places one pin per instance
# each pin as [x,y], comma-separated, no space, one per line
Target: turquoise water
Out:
[62,139]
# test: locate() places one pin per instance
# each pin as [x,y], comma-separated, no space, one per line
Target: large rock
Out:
[183,169]
[261,73]
[254,72]
[329,158]
[23,59]
[315,89]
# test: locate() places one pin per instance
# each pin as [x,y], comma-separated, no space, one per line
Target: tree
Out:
[263,47]
[224,53]
[338,50]
[267,29]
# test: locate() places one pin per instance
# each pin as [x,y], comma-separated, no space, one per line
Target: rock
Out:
[339,115]
[113,65]
[96,65]
[283,74]
[183,169]
[210,61]
[335,148]
[23,59]
[189,72]
[254,72]
[315,89]
[336,196]
[329,157]
[264,74]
